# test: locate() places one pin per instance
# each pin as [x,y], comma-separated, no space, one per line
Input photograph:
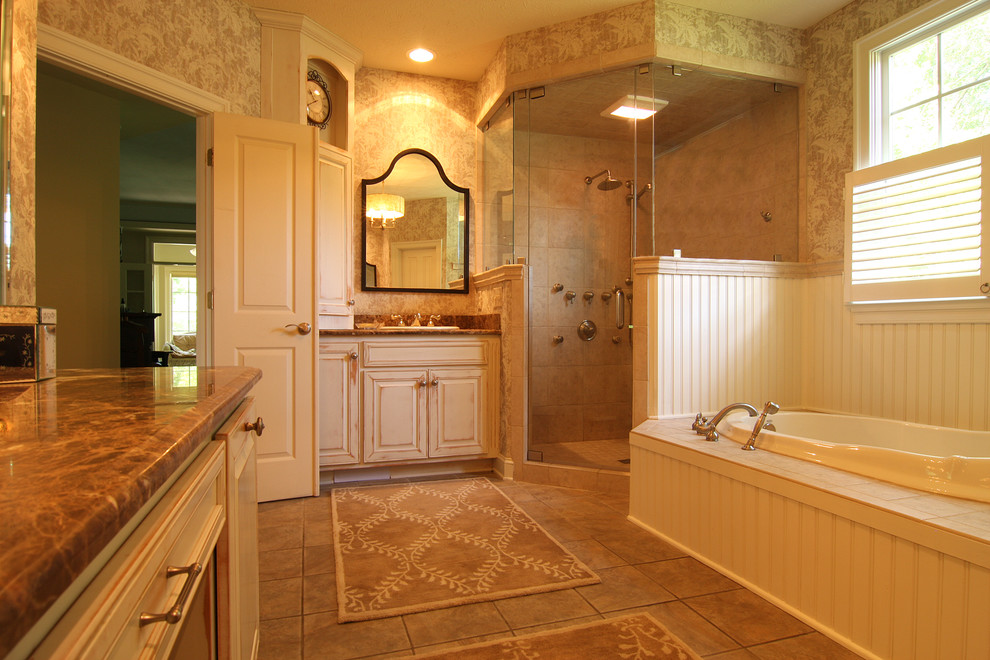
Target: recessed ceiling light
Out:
[420,55]
[634,107]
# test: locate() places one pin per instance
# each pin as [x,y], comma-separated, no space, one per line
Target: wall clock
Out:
[319,106]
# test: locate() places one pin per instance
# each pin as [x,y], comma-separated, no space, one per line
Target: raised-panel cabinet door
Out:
[395,415]
[334,220]
[340,410]
[457,412]
[264,303]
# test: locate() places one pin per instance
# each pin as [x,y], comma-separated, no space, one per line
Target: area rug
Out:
[633,636]
[403,548]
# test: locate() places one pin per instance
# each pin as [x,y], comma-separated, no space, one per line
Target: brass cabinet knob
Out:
[435,381]
[302,328]
[350,303]
[256,426]
[353,355]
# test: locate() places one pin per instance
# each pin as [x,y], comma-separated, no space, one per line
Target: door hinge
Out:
[209,157]
[209,300]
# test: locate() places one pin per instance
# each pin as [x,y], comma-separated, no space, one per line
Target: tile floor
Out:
[712,614]
[598,454]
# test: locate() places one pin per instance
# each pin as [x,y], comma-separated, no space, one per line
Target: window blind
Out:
[915,226]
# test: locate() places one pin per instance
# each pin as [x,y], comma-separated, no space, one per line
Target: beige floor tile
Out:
[326,639]
[692,629]
[280,564]
[432,648]
[538,609]
[318,559]
[622,588]
[738,654]
[282,512]
[318,533]
[812,646]
[319,593]
[518,632]
[746,617]
[281,639]
[280,537]
[594,554]
[686,577]
[281,598]
[452,623]
[637,546]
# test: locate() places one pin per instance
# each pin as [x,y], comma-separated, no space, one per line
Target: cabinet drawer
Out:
[420,352]
[180,530]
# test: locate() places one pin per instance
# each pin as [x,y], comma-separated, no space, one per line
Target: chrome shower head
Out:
[608,184]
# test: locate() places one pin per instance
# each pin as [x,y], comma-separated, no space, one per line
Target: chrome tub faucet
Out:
[706,428]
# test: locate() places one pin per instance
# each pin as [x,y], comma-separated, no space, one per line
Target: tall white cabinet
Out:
[293,46]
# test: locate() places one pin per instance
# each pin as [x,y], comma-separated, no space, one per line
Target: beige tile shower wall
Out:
[711,192]
[578,237]
[929,373]
[398,111]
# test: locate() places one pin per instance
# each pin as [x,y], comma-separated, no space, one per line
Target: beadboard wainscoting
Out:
[881,580]
[711,332]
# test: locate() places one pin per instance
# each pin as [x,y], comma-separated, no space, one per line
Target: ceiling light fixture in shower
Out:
[634,107]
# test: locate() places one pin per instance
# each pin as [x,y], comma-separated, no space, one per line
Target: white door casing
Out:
[264,238]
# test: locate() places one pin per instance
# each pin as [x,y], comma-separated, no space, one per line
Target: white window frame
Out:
[868,122]
[162,297]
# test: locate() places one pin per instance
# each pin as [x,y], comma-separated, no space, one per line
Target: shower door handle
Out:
[620,308]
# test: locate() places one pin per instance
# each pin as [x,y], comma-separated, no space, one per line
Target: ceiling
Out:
[465,34]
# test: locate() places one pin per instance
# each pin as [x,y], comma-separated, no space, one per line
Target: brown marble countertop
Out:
[407,331]
[383,324]
[81,454]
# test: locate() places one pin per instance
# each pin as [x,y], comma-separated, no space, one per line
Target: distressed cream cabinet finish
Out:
[392,399]
[182,528]
[212,505]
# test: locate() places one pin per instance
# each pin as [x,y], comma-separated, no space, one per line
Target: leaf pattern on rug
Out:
[416,546]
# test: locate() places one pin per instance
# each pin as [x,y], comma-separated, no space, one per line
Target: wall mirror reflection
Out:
[415,227]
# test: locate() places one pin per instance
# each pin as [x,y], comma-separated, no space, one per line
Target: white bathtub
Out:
[932,458]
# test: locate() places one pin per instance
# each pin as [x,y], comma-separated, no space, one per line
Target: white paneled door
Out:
[264,303]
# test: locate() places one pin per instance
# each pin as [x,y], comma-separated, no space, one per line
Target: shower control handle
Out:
[557,339]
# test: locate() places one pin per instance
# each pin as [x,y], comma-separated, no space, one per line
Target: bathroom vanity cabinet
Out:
[156,510]
[387,399]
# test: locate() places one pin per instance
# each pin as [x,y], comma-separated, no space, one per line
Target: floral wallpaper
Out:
[829,115]
[214,45]
[21,285]
[396,111]
[577,39]
[709,31]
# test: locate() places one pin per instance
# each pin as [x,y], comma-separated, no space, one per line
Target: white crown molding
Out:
[80,56]
[284,20]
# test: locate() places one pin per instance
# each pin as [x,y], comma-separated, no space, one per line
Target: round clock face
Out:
[318,104]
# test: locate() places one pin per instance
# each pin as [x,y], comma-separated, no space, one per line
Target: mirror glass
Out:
[415,226]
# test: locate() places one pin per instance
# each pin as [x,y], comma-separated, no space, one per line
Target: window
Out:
[914,208]
[924,81]
[175,296]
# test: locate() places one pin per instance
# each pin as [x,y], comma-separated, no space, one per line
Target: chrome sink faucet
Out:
[434,319]
[706,428]
[398,317]
[417,320]
[770,408]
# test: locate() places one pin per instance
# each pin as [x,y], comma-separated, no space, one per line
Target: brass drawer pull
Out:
[257,426]
[174,615]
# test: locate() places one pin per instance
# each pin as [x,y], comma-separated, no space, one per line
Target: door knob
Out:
[257,426]
[303,328]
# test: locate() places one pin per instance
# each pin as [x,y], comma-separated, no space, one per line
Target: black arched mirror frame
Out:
[377,245]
